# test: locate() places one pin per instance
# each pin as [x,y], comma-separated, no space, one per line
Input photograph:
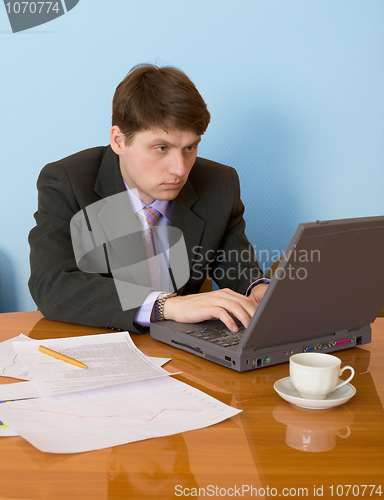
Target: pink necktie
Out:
[148,217]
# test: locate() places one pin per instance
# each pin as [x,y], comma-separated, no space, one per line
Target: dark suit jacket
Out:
[208,211]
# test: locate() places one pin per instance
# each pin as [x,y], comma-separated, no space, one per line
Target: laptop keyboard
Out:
[221,335]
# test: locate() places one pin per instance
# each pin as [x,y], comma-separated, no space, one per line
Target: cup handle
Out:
[344,382]
[346,434]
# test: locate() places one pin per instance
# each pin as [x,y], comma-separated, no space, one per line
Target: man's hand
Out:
[257,293]
[220,304]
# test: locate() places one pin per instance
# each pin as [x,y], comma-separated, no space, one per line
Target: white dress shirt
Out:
[143,314]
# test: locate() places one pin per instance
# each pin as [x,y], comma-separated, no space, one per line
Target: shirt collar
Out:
[162,206]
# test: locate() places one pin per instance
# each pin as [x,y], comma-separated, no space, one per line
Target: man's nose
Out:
[178,165]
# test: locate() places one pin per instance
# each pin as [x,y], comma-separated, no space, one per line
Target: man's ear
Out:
[117,139]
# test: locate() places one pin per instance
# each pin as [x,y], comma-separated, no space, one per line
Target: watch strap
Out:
[159,305]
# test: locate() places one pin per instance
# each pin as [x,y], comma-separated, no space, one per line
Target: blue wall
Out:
[295,89]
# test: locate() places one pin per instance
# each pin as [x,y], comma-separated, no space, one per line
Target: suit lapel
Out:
[109,180]
[190,224]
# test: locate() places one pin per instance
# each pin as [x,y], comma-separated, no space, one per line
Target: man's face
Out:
[156,162]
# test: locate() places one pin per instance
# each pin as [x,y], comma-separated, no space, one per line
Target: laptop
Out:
[326,291]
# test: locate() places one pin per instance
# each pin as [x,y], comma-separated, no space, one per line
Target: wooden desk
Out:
[262,447]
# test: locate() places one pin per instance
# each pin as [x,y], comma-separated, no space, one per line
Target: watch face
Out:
[166,295]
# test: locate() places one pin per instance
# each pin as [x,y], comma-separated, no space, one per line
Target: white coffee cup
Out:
[315,374]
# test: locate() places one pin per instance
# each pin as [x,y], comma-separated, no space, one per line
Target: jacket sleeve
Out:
[235,265]
[61,291]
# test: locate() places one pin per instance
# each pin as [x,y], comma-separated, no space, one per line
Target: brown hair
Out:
[152,97]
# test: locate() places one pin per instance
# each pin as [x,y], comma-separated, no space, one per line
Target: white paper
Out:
[26,390]
[10,364]
[20,390]
[102,418]
[6,431]
[158,361]
[111,360]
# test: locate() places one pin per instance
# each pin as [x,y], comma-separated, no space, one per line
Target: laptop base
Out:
[251,359]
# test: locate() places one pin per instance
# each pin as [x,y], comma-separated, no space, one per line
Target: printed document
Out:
[111,360]
[96,419]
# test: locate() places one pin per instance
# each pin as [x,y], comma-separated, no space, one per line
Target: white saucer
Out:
[285,389]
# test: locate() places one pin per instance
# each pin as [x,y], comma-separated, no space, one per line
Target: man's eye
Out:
[190,149]
[161,148]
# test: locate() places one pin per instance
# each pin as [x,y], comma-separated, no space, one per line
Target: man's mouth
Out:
[172,185]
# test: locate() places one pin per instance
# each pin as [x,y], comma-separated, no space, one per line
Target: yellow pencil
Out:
[62,357]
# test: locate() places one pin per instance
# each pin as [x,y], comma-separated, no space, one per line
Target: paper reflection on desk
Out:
[141,474]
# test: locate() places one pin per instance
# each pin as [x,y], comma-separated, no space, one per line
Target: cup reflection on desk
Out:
[316,375]
[314,430]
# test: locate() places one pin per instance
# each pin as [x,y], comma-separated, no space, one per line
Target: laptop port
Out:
[324,346]
[309,349]
[342,342]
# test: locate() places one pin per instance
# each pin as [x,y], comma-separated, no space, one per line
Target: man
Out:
[157,122]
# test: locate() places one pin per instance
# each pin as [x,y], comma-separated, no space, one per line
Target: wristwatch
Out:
[159,305]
